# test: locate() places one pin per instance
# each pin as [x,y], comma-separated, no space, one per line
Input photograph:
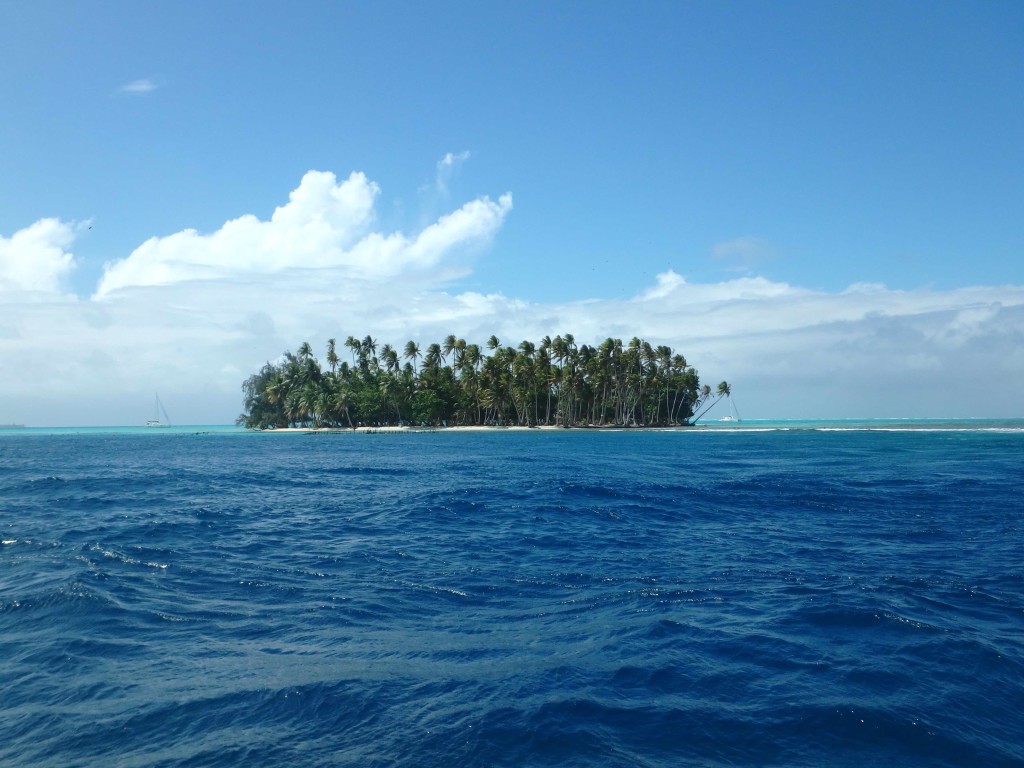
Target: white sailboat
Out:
[158,408]
[735,415]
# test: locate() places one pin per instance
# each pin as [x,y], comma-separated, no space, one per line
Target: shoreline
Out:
[473,428]
[976,423]
[1013,425]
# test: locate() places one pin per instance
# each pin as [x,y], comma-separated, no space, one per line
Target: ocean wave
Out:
[803,598]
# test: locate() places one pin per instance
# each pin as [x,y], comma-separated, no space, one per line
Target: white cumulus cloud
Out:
[326,224]
[37,258]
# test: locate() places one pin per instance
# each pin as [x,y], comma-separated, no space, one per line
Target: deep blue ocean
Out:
[719,597]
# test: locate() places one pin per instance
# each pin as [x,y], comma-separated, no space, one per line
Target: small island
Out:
[553,383]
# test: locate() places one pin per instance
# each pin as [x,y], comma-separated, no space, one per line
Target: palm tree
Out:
[553,381]
[528,350]
[412,352]
[708,400]
[570,377]
[449,344]
[369,351]
[332,355]
[342,400]
[605,367]
[543,373]
[323,405]
[390,358]
[432,359]
[665,370]
[459,348]
[390,390]
[636,359]
[469,378]
[473,358]
[353,344]
[293,407]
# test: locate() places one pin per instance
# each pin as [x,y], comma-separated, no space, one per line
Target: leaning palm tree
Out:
[709,400]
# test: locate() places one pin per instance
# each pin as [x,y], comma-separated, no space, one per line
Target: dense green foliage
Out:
[455,383]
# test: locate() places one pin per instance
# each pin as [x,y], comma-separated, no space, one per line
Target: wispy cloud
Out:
[446,168]
[138,87]
[742,253]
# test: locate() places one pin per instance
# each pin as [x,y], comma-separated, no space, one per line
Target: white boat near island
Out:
[735,415]
[158,408]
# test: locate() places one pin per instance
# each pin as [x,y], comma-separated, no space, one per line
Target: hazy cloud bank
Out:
[192,314]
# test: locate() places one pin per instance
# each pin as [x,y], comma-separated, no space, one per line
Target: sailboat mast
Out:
[160,407]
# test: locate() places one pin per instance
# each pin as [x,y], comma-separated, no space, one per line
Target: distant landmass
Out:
[554,382]
[13,426]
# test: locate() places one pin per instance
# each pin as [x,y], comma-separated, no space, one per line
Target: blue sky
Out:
[718,175]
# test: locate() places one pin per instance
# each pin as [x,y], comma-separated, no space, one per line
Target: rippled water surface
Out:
[514,598]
